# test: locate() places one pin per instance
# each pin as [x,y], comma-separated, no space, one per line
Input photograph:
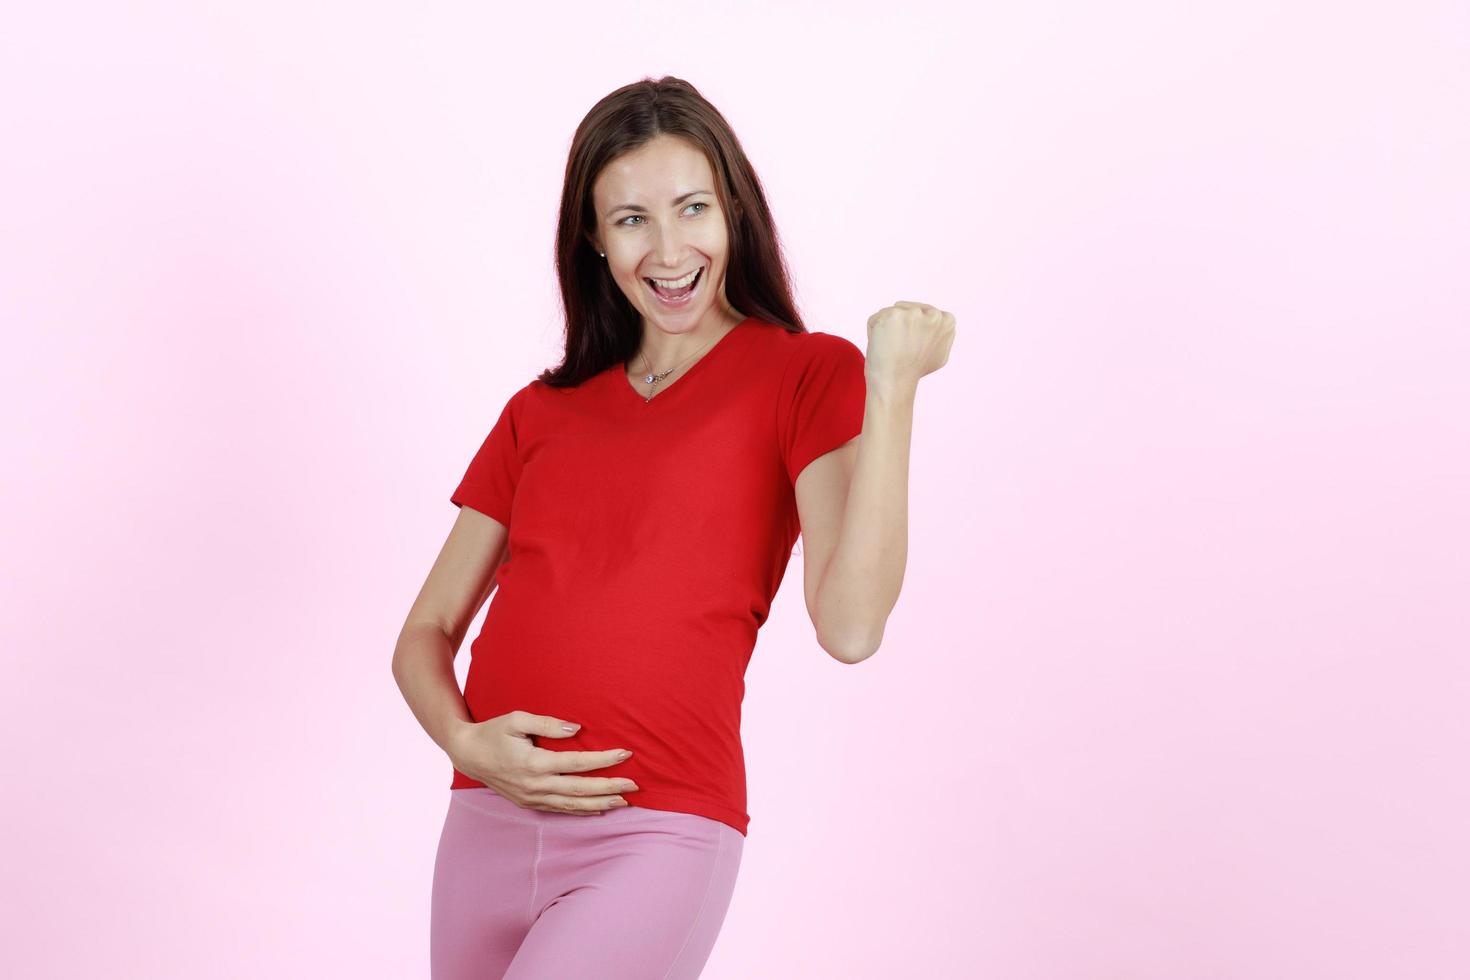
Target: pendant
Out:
[648,379]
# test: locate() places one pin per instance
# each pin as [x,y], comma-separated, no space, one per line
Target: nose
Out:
[668,248]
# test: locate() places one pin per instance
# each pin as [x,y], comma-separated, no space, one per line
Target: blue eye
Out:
[696,204]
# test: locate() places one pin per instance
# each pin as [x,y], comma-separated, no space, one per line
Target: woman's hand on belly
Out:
[498,752]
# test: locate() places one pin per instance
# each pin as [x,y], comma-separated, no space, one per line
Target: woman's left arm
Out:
[853,501]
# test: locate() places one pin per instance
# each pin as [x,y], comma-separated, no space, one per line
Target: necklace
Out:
[651,379]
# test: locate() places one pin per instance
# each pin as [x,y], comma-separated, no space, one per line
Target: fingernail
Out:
[570,728]
[624,753]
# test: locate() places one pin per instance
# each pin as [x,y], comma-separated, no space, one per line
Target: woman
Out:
[634,510]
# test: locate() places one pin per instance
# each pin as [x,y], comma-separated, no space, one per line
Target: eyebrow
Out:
[637,207]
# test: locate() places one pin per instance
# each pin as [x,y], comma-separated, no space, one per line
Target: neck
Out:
[660,351]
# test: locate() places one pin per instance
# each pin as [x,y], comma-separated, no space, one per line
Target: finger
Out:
[579,805]
[574,761]
[587,785]
[546,726]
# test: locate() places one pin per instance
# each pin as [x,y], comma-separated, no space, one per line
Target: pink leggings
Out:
[523,894]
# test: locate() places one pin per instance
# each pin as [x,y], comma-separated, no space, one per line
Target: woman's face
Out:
[658,218]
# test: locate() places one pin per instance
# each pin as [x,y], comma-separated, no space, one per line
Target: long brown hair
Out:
[602,327]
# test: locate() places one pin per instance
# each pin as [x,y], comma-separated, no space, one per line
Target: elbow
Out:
[419,638]
[850,649]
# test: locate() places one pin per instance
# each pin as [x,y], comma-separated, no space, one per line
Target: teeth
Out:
[676,283]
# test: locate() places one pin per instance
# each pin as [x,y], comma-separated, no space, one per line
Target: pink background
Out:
[1177,685]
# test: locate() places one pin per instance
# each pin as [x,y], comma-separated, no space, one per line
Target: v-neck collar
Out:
[637,398]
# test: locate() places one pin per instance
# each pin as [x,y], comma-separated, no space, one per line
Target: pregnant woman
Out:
[633,510]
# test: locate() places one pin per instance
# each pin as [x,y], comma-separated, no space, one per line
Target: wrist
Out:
[887,388]
[454,737]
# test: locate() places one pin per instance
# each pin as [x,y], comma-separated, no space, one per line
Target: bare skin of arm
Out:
[853,507]
[459,583]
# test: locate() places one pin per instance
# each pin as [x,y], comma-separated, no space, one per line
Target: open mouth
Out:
[676,297]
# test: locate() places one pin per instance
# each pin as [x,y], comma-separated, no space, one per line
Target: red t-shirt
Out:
[647,540]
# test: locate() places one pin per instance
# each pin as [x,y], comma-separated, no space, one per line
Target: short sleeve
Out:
[489,484]
[823,393]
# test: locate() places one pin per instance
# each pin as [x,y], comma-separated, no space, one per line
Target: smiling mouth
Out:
[676,297]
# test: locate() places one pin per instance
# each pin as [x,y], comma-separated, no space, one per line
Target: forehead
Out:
[655,173]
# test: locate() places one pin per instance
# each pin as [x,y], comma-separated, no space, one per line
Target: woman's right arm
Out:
[498,752]
[461,579]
